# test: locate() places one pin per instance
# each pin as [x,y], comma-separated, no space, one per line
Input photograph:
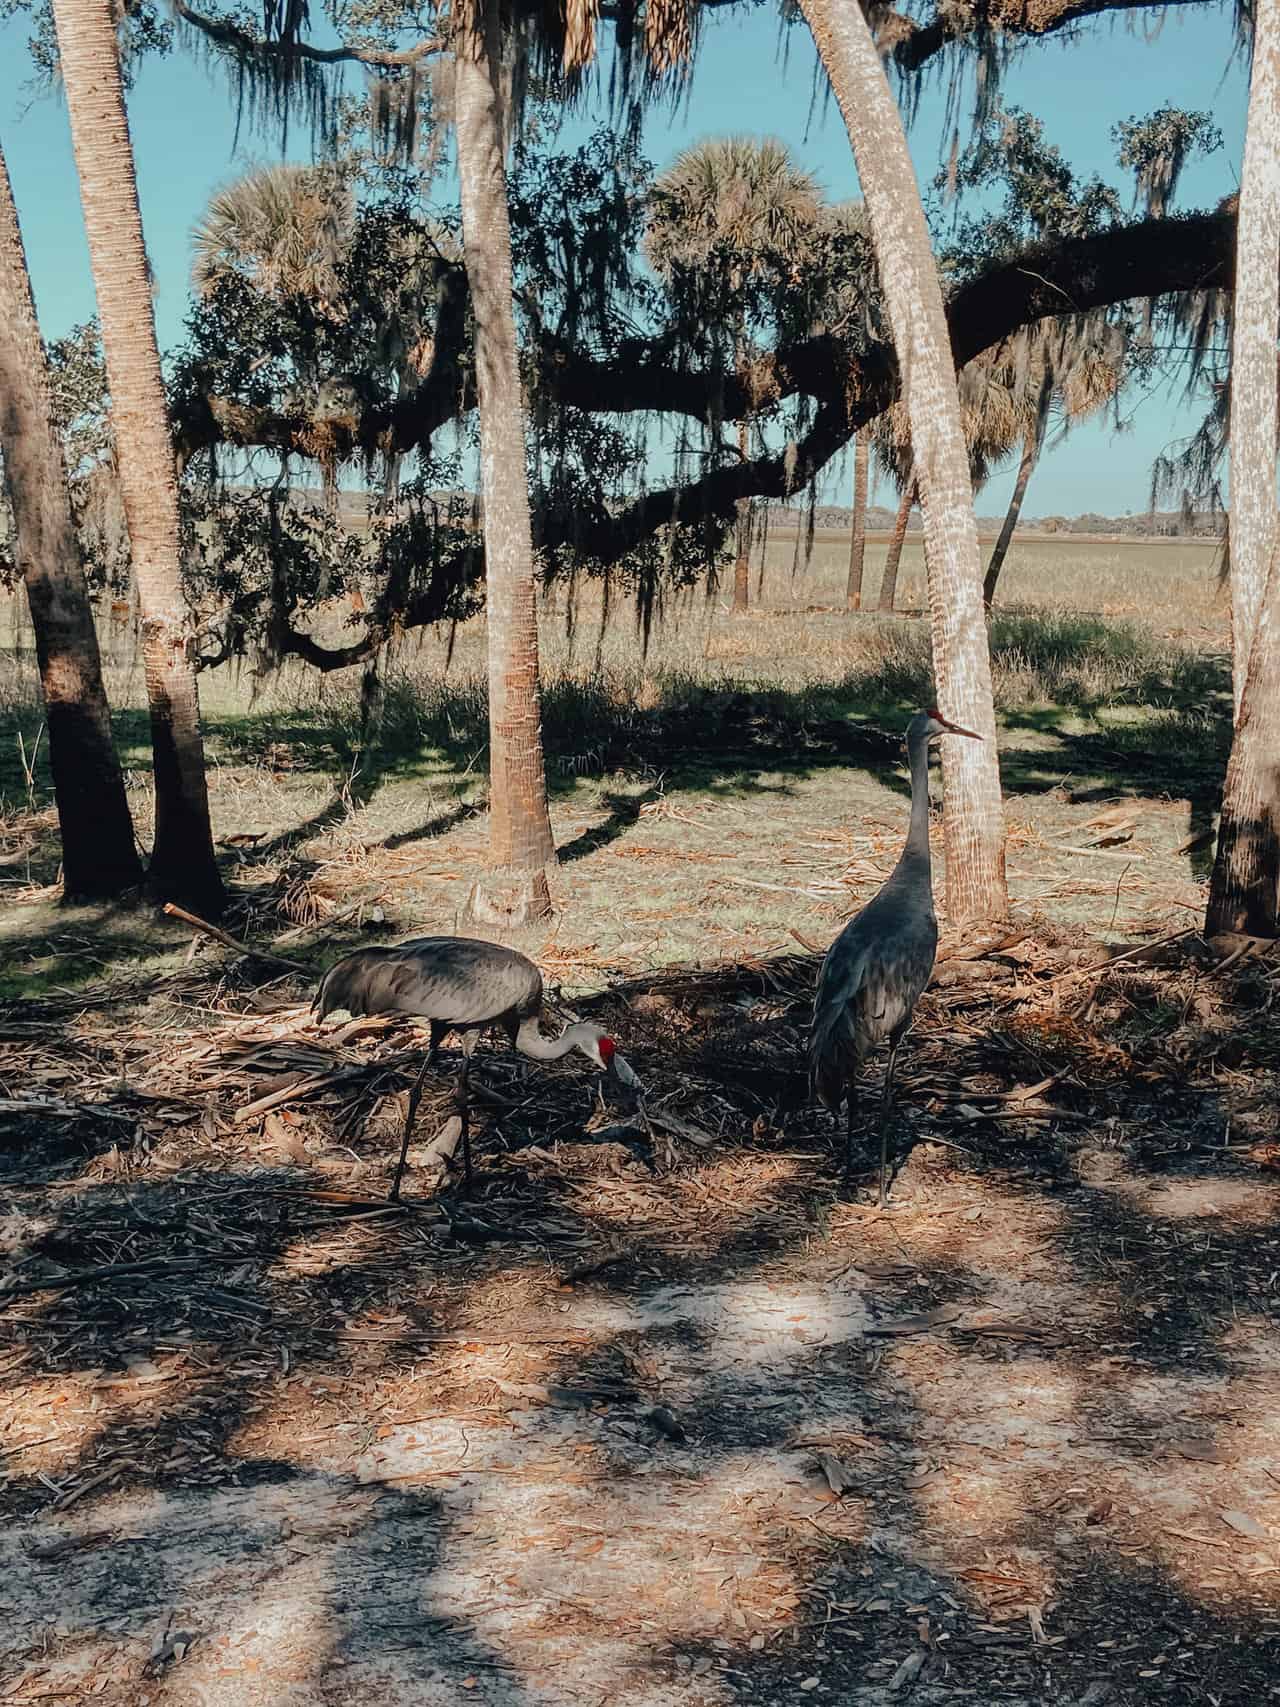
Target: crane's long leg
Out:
[885,1103]
[464,1113]
[851,1115]
[415,1097]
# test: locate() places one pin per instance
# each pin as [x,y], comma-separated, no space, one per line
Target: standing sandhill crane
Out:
[459,984]
[876,968]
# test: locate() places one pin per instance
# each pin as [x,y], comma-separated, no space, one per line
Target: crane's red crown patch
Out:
[607,1047]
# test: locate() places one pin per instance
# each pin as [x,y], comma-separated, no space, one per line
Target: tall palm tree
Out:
[975,840]
[897,539]
[99,856]
[1255,312]
[729,212]
[1073,366]
[849,304]
[858,521]
[182,866]
[1244,892]
[521,845]
[992,419]
[1032,445]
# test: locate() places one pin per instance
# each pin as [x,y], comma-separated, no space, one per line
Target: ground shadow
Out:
[486,1526]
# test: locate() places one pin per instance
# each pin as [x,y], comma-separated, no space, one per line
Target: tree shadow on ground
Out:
[622,1553]
[1120,727]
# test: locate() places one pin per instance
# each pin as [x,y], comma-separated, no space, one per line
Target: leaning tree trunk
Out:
[858,536]
[1032,445]
[1244,892]
[974,818]
[889,584]
[182,866]
[99,857]
[1255,317]
[742,564]
[515,889]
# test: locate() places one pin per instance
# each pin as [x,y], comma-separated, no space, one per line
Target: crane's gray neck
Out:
[917,846]
[530,1041]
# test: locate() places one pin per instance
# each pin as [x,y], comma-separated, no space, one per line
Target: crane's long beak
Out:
[619,1068]
[955,729]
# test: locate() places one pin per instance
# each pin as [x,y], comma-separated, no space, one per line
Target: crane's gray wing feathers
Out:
[458,980]
[870,982]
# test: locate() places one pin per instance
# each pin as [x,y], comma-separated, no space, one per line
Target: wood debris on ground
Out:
[676,1412]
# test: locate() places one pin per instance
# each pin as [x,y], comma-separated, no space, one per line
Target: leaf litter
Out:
[358,1448]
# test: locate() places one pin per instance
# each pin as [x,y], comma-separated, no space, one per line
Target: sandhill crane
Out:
[459,984]
[876,968]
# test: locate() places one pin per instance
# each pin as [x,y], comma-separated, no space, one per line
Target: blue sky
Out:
[183,125]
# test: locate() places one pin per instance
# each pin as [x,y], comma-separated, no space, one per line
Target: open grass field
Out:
[658,1415]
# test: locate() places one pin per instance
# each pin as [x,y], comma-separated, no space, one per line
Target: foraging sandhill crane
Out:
[459,984]
[876,968]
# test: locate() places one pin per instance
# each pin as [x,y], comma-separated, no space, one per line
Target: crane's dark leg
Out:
[851,1115]
[886,1096]
[464,1113]
[415,1097]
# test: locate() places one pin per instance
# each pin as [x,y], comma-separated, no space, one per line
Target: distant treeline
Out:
[1162,524]
[837,518]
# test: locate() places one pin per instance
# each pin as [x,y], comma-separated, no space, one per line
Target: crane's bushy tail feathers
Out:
[833,1054]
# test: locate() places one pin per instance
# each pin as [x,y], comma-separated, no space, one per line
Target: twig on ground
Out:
[227,941]
[114,1270]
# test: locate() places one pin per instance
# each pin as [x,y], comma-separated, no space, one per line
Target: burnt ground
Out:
[664,1417]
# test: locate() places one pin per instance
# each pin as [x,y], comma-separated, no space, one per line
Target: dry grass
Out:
[740,780]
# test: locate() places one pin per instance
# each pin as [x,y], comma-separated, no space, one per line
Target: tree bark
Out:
[99,856]
[1032,445]
[515,889]
[1244,891]
[889,584]
[742,530]
[974,818]
[858,535]
[183,867]
[1255,319]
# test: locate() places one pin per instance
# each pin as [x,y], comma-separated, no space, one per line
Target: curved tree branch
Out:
[1149,258]
[248,46]
[913,45]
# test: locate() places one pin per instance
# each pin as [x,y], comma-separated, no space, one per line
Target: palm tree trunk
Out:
[1032,445]
[99,857]
[521,845]
[1255,316]
[1244,891]
[889,585]
[182,866]
[858,537]
[742,566]
[974,817]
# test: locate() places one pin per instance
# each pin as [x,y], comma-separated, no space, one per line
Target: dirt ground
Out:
[659,1414]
